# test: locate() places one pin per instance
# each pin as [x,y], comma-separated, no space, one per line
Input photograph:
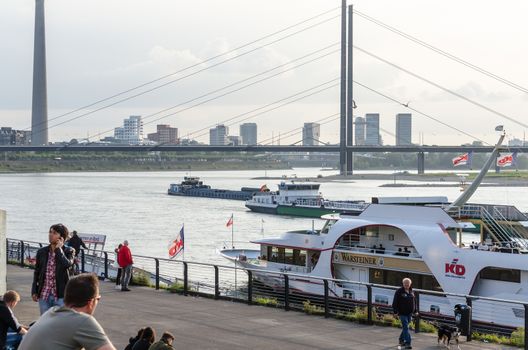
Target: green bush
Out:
[266,301]
[516,339]
[140,278]
[176,287]
[312,309]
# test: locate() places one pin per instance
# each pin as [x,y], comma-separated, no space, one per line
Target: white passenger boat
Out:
[386,243]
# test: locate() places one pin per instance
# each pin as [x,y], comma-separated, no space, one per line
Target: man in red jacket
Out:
[125,262]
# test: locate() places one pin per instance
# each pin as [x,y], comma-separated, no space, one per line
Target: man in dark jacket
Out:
[8,319]
[51,269]
[76,243]
[404,306]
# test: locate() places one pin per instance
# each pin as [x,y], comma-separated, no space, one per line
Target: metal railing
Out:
[271,288]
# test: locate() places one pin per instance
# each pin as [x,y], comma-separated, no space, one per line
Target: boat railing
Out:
[379,251]
[255,285]
[473,211]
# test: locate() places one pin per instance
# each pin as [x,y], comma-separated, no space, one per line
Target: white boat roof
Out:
[403,214]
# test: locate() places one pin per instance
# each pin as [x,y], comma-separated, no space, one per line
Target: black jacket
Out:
[63,261]
[76,243]
[7,320]
[404,303]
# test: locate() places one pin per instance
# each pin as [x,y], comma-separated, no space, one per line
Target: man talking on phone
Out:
[51,269]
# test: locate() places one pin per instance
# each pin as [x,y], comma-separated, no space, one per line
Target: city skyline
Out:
[84,65]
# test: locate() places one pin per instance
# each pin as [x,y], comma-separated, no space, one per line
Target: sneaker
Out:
[125,289]
[408,347]
[118,286]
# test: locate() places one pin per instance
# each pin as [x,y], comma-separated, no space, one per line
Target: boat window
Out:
[381,299]
[328,224]
[394,278]
[372,231]
[288,256]
[280,255]
[498,274]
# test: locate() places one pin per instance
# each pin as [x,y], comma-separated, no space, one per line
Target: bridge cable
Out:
[491,110]
[442,52]
[192,66]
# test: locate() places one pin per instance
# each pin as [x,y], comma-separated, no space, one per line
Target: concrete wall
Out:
[3,253]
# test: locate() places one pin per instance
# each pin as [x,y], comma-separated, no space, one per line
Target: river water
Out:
[135,206]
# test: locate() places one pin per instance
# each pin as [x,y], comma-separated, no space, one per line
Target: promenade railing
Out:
[257,286]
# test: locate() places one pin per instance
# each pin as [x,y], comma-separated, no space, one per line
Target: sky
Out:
[99,48]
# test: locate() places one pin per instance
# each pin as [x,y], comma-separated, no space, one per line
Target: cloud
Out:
[471,90]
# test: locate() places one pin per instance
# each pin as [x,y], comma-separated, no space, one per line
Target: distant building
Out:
[248,133]
[10,136]
[359,126]
[403,129]
[164,135]
[372,135]
[234,140]
[131,132]
[311,133]
[218,135]
[516,142]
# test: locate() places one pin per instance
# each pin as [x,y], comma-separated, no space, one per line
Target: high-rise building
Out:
[164,135]
[218,135]
[403,129]
[248,132]
[10,136]
[131,132]
[234,140]
[372,136]
[310,134]
[359,126]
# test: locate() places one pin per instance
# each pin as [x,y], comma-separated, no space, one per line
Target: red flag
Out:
[505,160]
[177,245]
[461,159]
[263,188]
[230,221]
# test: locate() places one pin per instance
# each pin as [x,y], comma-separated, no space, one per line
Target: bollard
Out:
[217,283]
[185,278]
[470,321]
[526,326]
[250,287]
[417,317]
[369,304]
[157,273]
[286,293]
[83,269]
[326,307]
[21,251]
[105,264]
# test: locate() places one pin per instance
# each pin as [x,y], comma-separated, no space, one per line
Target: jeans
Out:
[45,305]
[405,336]
[126,274]
[12,340]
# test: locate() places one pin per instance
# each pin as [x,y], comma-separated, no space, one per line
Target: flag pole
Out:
[183,250]
[232,232]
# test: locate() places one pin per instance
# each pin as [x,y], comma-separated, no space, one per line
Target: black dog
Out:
[446,334]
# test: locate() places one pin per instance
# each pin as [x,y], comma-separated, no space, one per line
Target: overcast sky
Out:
[97,48]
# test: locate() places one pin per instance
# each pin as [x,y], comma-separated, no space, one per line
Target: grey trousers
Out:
[125,276]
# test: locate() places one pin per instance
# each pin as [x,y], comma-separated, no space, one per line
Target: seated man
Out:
[71,326]
[165,343]
[8,320]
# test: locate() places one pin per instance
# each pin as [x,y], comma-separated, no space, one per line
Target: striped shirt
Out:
[50,285]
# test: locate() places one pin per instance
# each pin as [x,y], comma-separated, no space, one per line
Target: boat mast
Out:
[464,197]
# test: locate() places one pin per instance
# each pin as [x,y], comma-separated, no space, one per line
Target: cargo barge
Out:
[194,187]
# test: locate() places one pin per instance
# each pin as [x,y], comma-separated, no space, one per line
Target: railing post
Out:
[83,269]
[185,278]
[217,283]
[105,264]
[470,318]
[369,304]
[250,287]
[326,308]
[286,293]
[525,326]
[157,273]
[417,317]
[21,251]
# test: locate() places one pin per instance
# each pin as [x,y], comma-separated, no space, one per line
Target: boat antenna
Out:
[464,197]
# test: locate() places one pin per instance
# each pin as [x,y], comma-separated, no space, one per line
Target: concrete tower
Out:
[39,115]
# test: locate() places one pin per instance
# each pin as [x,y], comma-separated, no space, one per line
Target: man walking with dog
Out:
[404,306]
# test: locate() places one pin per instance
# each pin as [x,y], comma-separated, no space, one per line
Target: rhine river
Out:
[135,206]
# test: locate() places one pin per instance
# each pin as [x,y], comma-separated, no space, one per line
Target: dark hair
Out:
[81,289]
[11,296]
[74,232]
[149,334]
[61,230]
[167,336]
